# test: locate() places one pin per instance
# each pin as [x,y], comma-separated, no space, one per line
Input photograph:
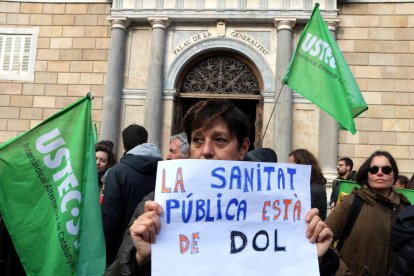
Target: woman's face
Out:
[381,175]
[216,143]
[291,159]
[101,161]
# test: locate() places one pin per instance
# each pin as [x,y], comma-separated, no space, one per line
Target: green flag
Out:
[318,72]
[409,194]
[345,188]
[49,196]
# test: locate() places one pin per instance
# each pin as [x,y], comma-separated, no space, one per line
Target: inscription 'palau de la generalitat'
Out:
[205,35]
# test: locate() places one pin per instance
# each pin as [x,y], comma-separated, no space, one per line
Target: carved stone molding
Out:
[119,22]
[221,28]
[159,22]
[284,23]
[332,23]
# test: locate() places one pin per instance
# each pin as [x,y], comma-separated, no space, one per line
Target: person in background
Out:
[345,172]
[218,131]
[261,155]
[132,136]
[10,264]
[410,184]
[179,147]
[105,159]
[109,143]
[402,239]
[367,248]
[401,183]
[126,185]
[317,181]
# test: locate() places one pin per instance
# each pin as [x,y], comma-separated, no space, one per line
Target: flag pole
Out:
[271,114]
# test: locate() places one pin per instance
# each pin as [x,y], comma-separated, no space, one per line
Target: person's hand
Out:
[317,231]
[144,231]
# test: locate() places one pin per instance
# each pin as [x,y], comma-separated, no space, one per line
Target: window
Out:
[18,53]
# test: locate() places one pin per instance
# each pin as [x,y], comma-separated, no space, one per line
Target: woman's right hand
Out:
[144,231]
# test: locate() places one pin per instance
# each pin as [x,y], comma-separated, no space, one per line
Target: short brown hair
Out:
[204,114]
[134,135]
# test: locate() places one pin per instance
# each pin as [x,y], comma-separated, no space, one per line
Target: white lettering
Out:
[316,46]
[70,225]
[52,145]
[66,184]
[60,154]
[40,142]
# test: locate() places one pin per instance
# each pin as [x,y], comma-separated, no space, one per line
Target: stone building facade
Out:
[143,61]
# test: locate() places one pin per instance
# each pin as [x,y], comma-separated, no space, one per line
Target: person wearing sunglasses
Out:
[366,216]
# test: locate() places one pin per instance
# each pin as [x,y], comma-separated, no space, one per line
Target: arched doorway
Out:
[221,75]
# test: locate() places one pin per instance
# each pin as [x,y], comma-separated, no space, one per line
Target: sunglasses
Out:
[385,170]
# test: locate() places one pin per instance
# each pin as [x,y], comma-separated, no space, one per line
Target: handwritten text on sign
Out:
[223,217]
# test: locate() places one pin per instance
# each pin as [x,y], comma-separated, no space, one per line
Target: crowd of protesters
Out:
[360,225]
[369,232]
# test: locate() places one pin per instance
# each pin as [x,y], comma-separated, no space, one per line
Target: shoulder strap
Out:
[352,217]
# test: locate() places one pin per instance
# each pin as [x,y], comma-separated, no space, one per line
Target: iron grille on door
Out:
[220,75]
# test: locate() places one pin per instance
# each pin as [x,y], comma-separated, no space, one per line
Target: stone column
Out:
[110,129]
[282,133]
[328,130]
[155,82]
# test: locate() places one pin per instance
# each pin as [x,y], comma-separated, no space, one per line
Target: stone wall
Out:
[377,40]
[71,61]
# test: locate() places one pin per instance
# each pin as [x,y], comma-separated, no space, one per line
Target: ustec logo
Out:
[316,46]
[52,144]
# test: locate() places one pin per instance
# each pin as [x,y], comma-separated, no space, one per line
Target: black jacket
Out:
[125,263]
[402,238]
[126,185]
[318,199]
[10,264]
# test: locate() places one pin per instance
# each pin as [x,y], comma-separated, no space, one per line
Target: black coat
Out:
[125,264]
[10,264]
[126,185]
[402,238]
[318,199]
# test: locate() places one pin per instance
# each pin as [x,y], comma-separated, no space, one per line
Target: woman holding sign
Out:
[363,220]
[217,130]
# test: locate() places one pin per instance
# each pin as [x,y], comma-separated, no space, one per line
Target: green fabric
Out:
[95,133]
[318,72]
[49,196]
[346,187]
[409,194]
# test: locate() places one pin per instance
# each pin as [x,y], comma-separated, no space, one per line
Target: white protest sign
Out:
[233,218]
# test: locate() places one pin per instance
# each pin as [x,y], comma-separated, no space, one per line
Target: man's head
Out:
[134,135]
[261,155]
[179,147]
[344,167]
[402,182]
[217,130]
